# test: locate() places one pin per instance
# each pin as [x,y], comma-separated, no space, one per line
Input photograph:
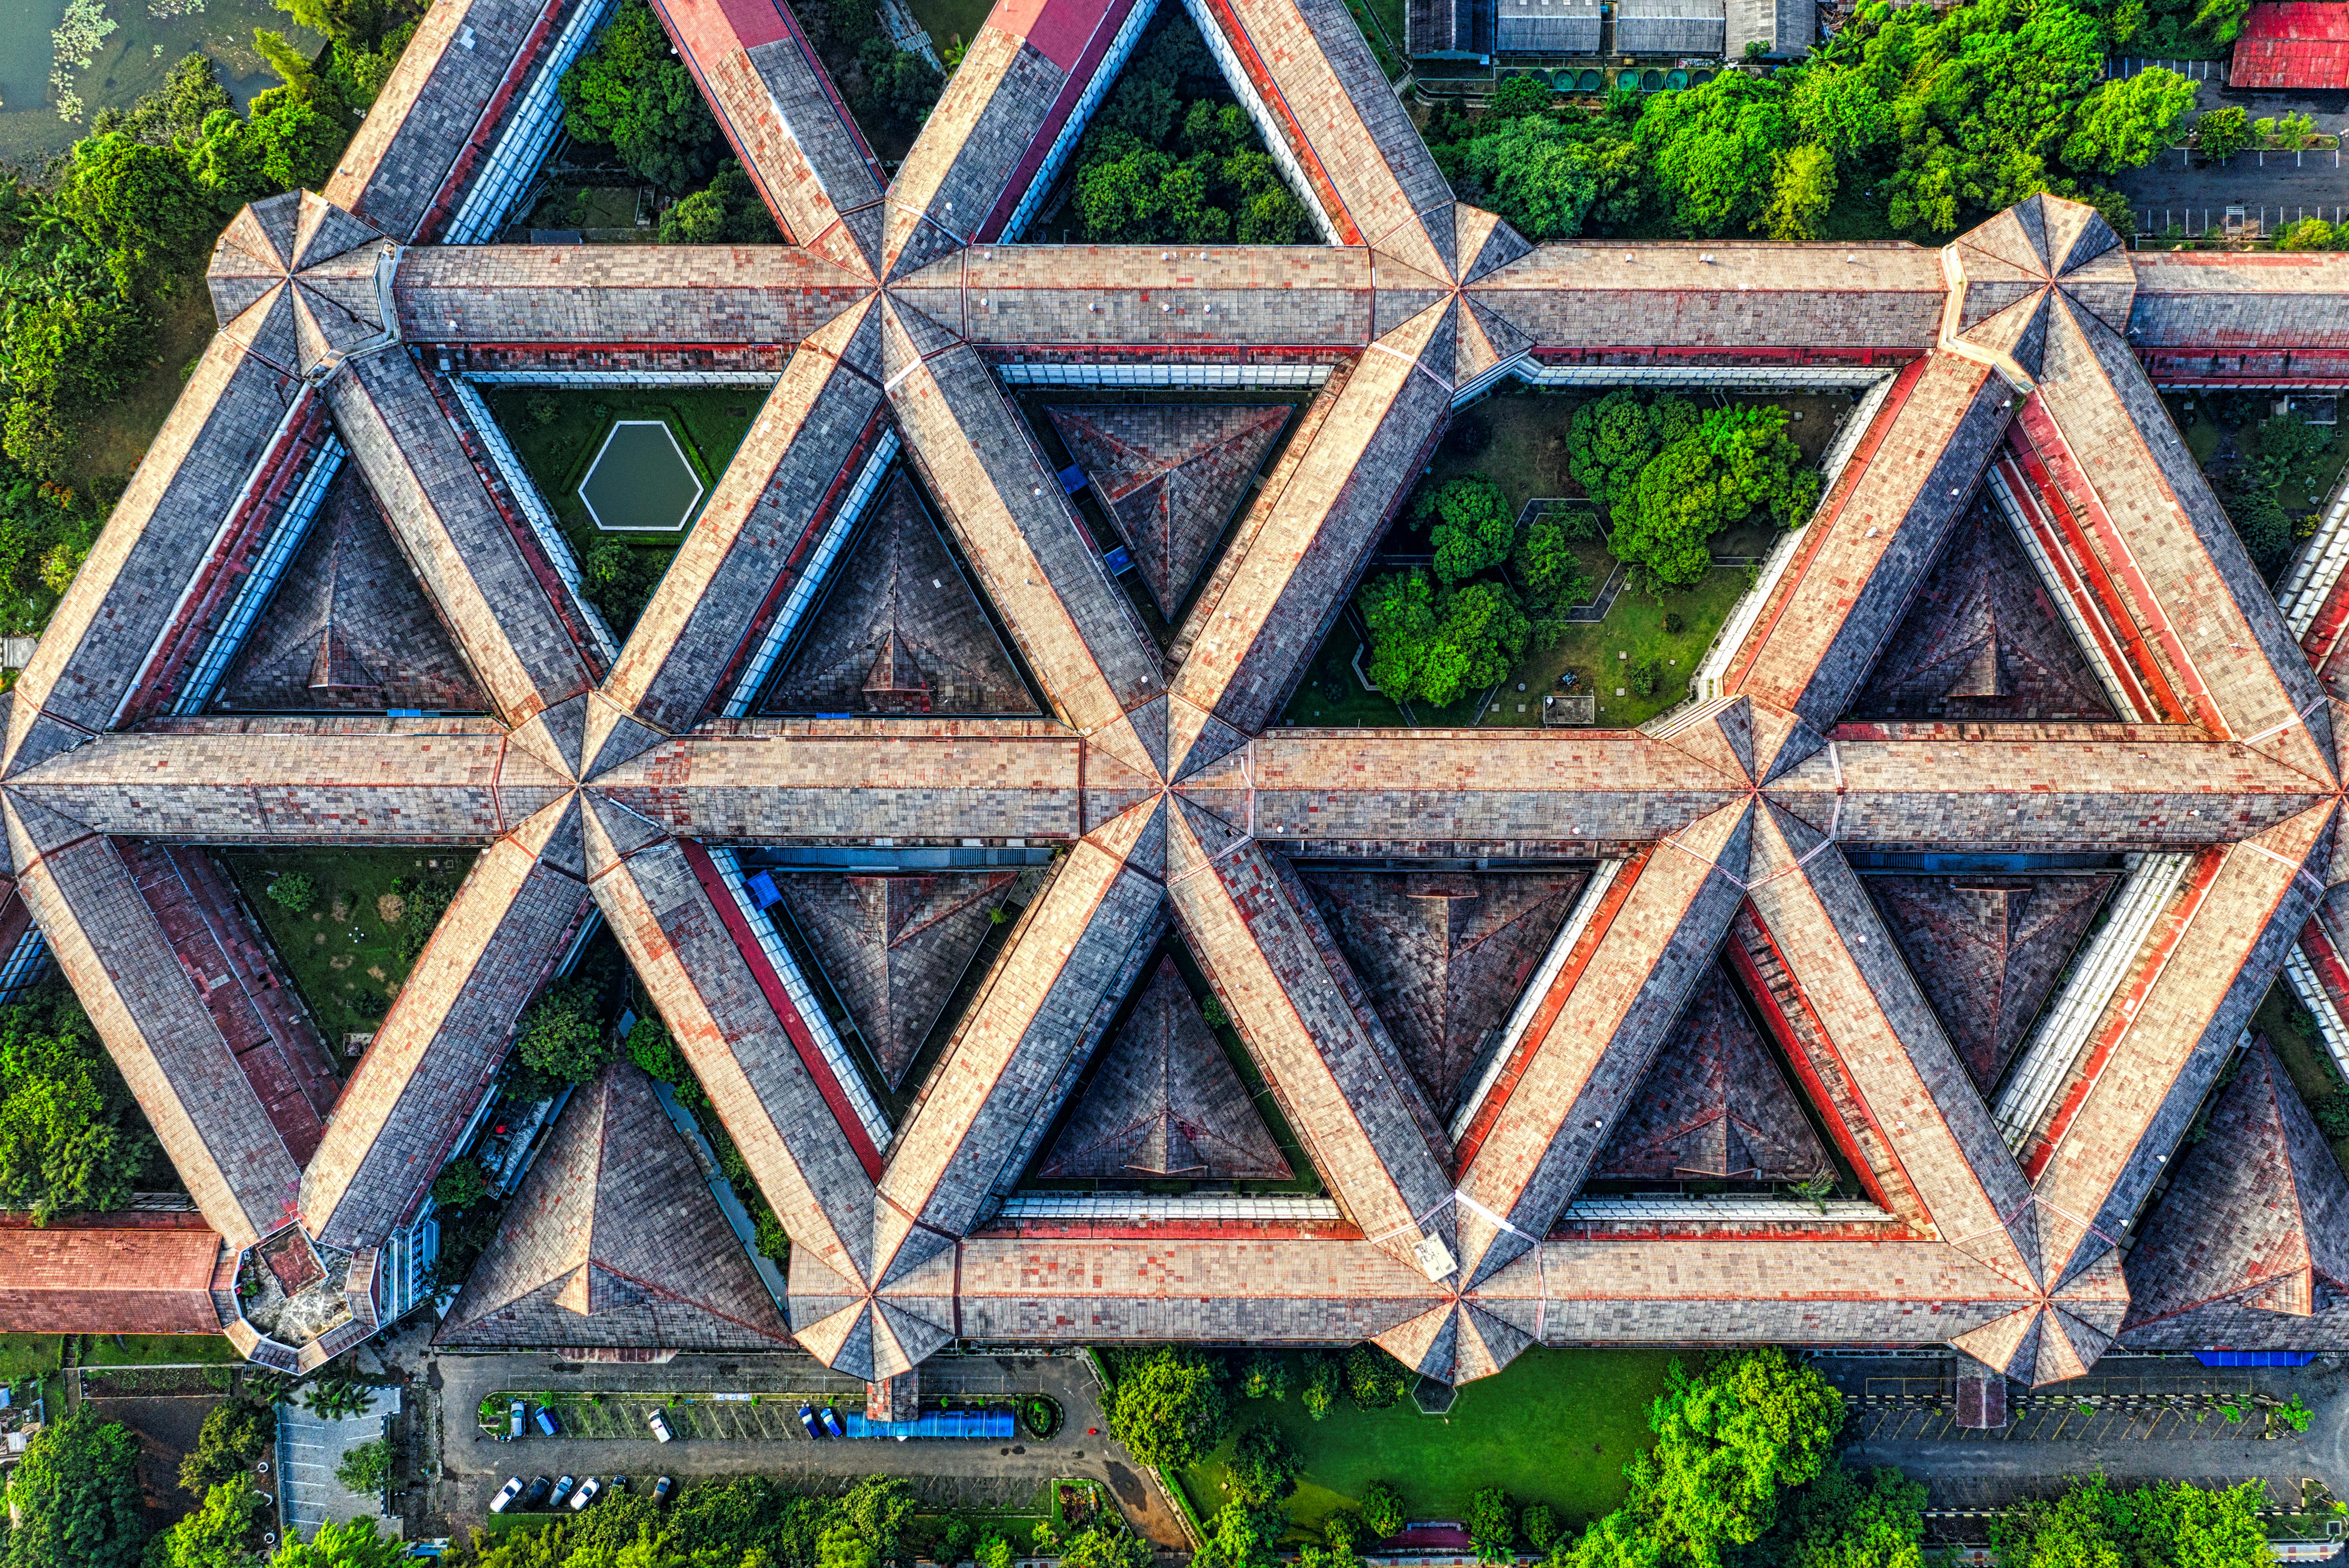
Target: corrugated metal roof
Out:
[2293,44]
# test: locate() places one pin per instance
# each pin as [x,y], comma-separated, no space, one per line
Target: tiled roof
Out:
[1158,776]
[2291,44]
[613,1240]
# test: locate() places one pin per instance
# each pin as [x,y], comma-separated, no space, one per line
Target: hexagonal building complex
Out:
[2003,796]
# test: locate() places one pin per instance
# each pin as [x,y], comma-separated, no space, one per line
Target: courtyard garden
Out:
[348,925]
[559,434]
[2273,467]
[1566,541]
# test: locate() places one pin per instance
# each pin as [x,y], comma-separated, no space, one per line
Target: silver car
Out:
[585,1494]
[506,1494]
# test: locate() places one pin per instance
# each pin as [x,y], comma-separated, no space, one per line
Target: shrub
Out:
[650,1048]
[295,892]
[366,1469]
[2223,132]
[461,1184]
[1539,1526]
[1383,1510]
[1212,1010]
[1266,1377]
[1546,563]
[1375,1379]
[2332,1114]
[1264,1464]
[1322,1375]
[1491,1525]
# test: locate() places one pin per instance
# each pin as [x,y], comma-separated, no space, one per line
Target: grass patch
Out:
[1556,1427]
[157,1350]
[1332,695]
[347,980]
[1635,626]
[557,433]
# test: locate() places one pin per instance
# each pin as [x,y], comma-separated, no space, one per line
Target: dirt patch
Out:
[341,961]
[341,911]
[167,1428]
[375,972]
[389,908]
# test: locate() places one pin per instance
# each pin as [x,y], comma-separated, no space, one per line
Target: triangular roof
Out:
[2254,1230]
[894,946]
[1443,954]
[1713,1104]
[900,589]
[1165,1101]
[1987,951]
[1982,641]
[1170,475]
[615,1240]
[349,607]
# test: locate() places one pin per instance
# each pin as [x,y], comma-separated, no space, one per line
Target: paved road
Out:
[2277,180]
[2135,1418]
[948,1474]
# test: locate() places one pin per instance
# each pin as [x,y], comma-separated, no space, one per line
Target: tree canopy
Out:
[217,1535]
[2092,1526]
[352,1544]
[1170,156]
[1167,1408]
[562,1035]
[1922,120]
[1468,523]
[1435,647]
[1729,1440]
[629,92]
[1737,461]
[75,1496]
[71,1136]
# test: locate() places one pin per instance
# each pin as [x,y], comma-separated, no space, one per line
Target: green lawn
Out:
[348,981]
[1635,626]
[1556,1426]
[709,425]
[1331,693]
[157,1350]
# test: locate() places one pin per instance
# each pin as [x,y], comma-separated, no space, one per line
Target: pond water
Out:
[131,60]
[640,481]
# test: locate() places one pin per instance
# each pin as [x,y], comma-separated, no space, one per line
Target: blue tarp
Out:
[937,1424]
[2255,1357]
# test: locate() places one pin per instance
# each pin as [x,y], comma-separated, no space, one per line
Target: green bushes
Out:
[1168,1407]
[71,1136]
[1673,477]
[1151,171]
[294,892]
[1911,121]
[2172,1523]
[631,93]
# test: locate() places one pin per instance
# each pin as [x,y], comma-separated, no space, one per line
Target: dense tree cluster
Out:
[1170,156]
[2281,463]
[75,1498]
[1671,477]
[124,220]
[1911,121]
[629,91]
[71,1136]
[2164,1523]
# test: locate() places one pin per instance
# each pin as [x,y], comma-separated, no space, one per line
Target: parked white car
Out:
[506,1494]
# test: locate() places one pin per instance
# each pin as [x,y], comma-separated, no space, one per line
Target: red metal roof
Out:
[2294,44]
